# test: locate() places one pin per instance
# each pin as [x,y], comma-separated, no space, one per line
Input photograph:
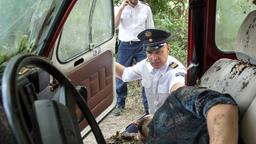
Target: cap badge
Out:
[148,34]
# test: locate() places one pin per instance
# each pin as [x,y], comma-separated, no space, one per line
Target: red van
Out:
[56,65]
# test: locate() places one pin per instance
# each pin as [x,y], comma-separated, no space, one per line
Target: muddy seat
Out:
[238,77]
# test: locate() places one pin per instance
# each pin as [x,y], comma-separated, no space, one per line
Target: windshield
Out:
[24,25]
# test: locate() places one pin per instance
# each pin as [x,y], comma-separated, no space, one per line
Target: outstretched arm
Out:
[119,70]
[222,123]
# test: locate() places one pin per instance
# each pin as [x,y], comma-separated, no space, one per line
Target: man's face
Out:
[158,58]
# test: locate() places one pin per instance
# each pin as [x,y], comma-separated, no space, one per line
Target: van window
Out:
[85,28]
[229,16]
[102,22]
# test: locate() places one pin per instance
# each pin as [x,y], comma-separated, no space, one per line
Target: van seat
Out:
[233,77]
[238,77]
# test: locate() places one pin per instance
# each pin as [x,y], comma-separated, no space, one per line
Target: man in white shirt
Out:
[160,74]
[132,17]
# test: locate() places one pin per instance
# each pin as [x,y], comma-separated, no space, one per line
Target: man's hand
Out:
[119,70]
[128,2]
[125,3]
[143,126]
[176,86]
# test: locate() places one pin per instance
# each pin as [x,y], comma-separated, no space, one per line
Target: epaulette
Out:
[173,65]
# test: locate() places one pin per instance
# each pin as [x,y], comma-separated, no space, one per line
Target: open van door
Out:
[84,51]
[74,37]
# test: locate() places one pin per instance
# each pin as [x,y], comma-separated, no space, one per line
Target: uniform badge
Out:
[148,34]
[173,65]
[182,74]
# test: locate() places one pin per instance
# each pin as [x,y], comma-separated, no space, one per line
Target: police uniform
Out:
[157,82]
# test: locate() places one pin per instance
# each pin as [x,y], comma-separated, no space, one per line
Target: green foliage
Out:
[179,53]
[117,2]
[173,16]
[23,46]
[3,58]
[178,29]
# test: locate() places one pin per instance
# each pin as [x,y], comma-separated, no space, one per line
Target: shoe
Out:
[117,111]
[132,128]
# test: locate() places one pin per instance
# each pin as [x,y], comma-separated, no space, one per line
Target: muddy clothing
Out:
[182,118]
[157,82]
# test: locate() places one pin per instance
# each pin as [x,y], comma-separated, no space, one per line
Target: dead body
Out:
[193,115]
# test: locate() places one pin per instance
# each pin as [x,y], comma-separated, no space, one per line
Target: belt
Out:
[131,42]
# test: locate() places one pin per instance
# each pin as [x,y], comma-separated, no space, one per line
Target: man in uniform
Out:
[160,74]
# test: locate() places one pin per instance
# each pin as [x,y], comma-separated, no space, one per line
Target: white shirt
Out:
[157,82]
[134,20]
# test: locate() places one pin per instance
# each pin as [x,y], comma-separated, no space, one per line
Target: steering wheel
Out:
[63,103]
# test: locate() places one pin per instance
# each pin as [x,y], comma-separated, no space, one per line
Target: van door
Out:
[84,51]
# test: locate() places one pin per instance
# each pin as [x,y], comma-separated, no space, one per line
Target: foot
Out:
[117,111]
[132,128]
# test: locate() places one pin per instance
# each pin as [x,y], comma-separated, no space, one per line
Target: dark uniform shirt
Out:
[182,118]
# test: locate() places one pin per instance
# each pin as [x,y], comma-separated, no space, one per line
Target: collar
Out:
[162,70]
[138,4]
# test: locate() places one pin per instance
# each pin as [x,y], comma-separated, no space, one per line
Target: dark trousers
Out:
[128,52]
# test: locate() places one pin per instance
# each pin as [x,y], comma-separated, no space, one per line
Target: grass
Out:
[134,100]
